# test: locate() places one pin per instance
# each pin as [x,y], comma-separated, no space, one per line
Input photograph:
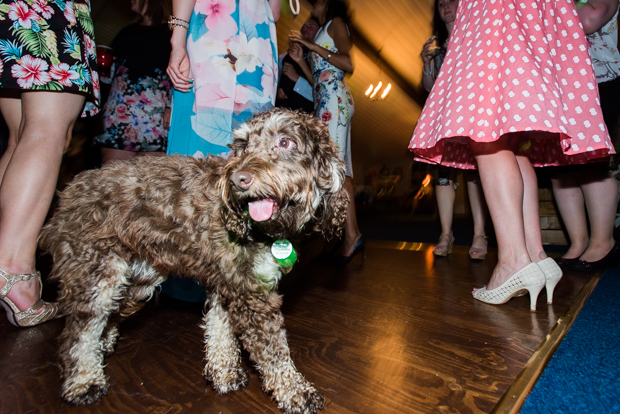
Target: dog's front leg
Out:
[261,329]
[223,355]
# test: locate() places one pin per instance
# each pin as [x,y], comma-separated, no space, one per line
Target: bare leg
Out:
[445,195]
[479,212]
[478,207]
[503,185]
[11,109]
[600,192]
[569,198]
[30,181]
[351,232]
[531,215]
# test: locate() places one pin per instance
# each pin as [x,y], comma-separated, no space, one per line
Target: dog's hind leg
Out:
[143,281]
[90,307]
[261,327]
[223,355]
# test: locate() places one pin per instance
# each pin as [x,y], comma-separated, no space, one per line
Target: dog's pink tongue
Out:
[261,210]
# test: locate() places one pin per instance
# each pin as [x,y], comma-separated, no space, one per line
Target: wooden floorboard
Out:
[400,334]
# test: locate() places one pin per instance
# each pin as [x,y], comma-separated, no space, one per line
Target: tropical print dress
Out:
[333,103]
[140,90]
[49,45]
[232,48]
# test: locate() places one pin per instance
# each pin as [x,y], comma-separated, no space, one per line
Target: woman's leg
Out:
[503,185]
[531,215]
[600,191]
[30,181]
[478,206]
[445,195]
[11,108]
[571,206]
[351,231]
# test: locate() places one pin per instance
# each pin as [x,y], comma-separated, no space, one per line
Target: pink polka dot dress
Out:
[514,66]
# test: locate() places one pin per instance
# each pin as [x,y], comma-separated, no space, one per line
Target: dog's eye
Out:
[285,143]
[245,150]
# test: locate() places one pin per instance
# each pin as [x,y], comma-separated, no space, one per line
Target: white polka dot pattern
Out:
[514,66]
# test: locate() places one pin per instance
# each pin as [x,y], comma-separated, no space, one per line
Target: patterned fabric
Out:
[140,91]
[133,114]
[49,45]
[603,47]
[232,47]
[513,66]
[333,103]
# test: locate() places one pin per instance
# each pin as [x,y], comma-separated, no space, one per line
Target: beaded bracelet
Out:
[429,73]
[175,21]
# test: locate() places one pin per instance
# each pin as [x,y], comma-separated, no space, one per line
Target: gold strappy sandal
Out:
[28,317]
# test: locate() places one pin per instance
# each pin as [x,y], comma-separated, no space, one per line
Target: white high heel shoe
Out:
[553,274]
[530,278]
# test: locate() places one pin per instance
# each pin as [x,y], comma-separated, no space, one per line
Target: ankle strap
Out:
[12,279]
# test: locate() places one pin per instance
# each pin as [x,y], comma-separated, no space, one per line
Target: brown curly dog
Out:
[119,231]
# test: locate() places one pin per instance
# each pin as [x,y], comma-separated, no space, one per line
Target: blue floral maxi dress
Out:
[140,91]
[232,48]
[49,45]
[333,103]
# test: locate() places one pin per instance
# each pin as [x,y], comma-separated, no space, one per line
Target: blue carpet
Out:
[583,375]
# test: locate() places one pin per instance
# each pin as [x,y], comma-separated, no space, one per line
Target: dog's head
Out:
[283,177]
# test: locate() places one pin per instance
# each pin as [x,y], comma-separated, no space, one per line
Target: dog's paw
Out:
[85,394]
[228,380]
[307,402]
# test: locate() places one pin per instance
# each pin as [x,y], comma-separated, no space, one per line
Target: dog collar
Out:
[284,253]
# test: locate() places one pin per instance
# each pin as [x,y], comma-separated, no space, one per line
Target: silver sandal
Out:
[28,317]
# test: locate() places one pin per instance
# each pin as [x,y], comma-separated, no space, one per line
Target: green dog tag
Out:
[284,253]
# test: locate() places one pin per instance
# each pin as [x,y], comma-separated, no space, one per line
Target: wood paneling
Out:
[400,334]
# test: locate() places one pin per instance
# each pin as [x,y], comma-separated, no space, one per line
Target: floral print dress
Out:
[140,91]
[232,48]
[333,103]
[49,45]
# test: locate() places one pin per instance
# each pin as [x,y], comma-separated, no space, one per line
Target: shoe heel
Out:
[551,284]
[534,292]
[553,274]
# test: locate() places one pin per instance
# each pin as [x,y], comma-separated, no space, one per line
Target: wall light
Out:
[372,91]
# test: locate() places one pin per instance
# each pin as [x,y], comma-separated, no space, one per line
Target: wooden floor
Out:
[401,334]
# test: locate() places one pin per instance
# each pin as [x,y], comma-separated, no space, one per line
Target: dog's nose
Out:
[242,179]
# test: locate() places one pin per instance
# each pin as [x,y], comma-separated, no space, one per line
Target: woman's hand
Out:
[296,37]
[178,68]
[429,50]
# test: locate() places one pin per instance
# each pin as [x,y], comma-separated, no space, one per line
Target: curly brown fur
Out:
[119,230]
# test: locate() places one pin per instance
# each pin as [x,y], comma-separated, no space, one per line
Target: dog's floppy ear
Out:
[240,138]
[330,178]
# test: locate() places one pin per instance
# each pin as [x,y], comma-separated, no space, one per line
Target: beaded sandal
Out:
[444,246]
[478,250]
[530,278]
[28,317]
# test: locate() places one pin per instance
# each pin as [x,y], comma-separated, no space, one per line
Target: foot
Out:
[348,246]
[502,273]
[24,294]
[478,248]
[22,299]
[444,246]
[595,253]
